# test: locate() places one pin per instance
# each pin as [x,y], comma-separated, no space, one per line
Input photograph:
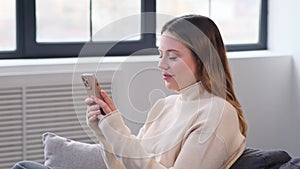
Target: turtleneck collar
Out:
[193,92]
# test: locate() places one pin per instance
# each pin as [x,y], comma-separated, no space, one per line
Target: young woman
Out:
[200,127]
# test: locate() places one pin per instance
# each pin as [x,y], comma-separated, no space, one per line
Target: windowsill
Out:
[59,65]
[255,54]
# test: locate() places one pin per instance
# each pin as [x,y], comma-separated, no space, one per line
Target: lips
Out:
[167,76]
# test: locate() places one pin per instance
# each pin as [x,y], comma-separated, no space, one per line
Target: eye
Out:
[172,57]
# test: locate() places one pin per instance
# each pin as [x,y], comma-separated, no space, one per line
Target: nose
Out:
[163,64]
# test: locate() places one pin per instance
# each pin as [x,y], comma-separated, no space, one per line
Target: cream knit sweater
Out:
[191,130]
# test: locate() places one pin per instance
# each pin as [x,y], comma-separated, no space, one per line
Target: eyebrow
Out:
[169,50]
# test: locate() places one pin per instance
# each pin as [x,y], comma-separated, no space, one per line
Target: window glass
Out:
[167,9]
[116,20]
[69,20]
[7,25]
[62,20]
[238,20]
[179,7]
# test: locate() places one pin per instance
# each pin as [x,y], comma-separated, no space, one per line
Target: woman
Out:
[200,127]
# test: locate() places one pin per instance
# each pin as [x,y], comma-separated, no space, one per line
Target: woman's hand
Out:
[93,111]
[94,105]
[106,104]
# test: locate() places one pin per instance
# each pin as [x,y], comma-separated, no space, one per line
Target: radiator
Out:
[43,95]
[31,105]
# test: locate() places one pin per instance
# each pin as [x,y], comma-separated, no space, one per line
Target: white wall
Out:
[284,34]
[263,87]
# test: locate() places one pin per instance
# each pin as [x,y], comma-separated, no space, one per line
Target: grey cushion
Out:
[260,159]
[62,153]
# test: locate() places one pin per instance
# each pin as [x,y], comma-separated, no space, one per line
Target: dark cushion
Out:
[260,159]
[292,164]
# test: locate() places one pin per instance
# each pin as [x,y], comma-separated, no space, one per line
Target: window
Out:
[61,28]
[71,23]
[7,25]
[231,16]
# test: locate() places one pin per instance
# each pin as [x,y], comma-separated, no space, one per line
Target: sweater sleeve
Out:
[111,161]
[194,155]
[109,158]
[114,136]
[125,146]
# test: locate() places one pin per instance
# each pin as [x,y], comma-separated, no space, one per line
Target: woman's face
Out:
[177,63]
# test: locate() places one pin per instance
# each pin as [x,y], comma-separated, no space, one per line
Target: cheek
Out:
[183,69]
[184,74]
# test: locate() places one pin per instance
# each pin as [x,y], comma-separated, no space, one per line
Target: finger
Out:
[94,107]
[108,100]
[89,101]
[92,118]
[93,114]
[102,105]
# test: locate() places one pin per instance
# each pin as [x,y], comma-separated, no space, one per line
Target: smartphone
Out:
[92,86]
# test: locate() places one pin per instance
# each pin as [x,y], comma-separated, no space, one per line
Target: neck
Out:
[193,92]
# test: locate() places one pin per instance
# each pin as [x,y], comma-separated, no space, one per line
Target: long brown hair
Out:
[203,38]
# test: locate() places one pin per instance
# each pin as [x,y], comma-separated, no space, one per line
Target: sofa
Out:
[63,153]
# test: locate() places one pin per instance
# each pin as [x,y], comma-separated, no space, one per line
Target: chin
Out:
[171,86]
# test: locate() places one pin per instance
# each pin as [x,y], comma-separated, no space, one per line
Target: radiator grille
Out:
[11,137]
[28,112]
